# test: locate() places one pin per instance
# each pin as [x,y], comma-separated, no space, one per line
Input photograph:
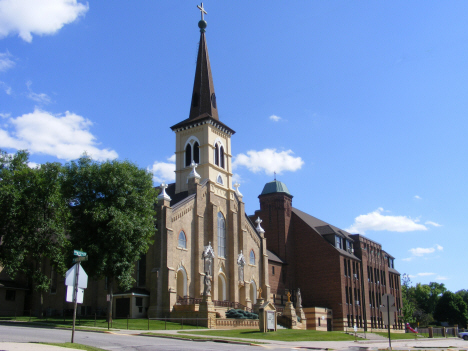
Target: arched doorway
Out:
[221,287]
[181,282]
[253,292]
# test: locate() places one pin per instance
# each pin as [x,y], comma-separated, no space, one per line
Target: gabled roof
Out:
[321,227]
[273,257]
[324,229]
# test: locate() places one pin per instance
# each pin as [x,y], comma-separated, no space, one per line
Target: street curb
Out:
[224,341]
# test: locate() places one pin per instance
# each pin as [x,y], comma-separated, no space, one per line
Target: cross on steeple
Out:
[202,10]
[275,174]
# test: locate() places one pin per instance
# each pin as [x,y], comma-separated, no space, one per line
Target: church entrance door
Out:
[221,288]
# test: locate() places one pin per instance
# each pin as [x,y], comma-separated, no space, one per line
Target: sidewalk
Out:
[372,343]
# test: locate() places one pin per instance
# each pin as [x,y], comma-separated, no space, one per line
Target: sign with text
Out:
[79,253]
[80,259]
[271,320]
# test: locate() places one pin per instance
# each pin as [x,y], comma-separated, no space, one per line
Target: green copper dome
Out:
[275,187]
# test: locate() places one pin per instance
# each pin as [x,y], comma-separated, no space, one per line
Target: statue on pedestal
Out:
[207,281]
[298,298]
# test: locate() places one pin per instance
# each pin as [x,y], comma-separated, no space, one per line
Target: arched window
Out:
[182,240]
[221,235]
[196,153]
[188,155]
[221,156]
[216,155]
[252,257]
[219,179]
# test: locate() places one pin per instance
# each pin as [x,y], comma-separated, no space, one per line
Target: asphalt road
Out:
[114,342]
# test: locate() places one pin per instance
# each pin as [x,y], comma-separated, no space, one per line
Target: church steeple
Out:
[202,138]
[203,96]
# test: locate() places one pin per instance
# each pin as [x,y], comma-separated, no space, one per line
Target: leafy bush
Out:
[240,314]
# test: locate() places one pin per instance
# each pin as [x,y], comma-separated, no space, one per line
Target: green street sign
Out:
[79,253]
[79,259]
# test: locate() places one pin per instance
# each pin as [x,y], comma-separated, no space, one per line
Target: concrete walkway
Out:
[373,342]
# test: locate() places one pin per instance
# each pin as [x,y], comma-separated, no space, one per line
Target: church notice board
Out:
[270,320]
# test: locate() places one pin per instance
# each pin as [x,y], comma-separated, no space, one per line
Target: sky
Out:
[360,107]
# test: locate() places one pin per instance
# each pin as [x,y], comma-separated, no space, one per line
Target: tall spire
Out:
[203,96]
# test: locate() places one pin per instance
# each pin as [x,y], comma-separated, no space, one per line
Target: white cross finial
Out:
[259,228]
[202,10]
[237,185]
[163,194]
[194,173]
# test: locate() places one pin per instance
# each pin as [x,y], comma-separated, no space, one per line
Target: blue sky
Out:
[359,106]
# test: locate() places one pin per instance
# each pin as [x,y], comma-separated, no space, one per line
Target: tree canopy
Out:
[112,205]
[35,219]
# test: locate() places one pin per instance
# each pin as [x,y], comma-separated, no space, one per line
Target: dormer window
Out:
[338,242]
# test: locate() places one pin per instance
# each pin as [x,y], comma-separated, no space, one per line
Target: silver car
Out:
[463,335]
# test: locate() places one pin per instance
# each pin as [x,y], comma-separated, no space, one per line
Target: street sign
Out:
[388,309]
[79,253]
[80,259]
[70,277]
[79,296]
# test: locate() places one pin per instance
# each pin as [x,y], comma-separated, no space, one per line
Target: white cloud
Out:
[425,274]
[27,17]
[433,224]
[6,88]
[407,259]
[275,118]
[163,171]
[417,197]
[34,165]
[439,277]
[40,98]
[5,61]
[236,177]
[268,161]
[377,221]
[63,136]
[420,251]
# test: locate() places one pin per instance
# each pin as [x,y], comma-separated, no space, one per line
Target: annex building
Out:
[204,233]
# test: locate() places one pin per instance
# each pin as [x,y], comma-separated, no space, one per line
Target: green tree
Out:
[35,218]
[112,205]
[409,305]
[464,295]
[452,309]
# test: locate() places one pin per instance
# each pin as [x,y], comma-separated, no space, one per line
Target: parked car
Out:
[463,335]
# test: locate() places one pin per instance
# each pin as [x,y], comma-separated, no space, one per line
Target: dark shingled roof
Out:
[273,257]
[8,284]
[325,229]
[275,187]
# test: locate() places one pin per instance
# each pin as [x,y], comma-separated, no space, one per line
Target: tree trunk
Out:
[110,283]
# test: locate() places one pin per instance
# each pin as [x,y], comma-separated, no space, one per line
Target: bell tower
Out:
[203,138]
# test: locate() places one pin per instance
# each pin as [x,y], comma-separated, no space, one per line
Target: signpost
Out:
[388,310]
[76,281]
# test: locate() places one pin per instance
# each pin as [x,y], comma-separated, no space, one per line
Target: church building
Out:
[202,225]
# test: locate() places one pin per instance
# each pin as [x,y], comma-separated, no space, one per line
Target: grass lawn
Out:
[280,335]
[133,324]
[72,346]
